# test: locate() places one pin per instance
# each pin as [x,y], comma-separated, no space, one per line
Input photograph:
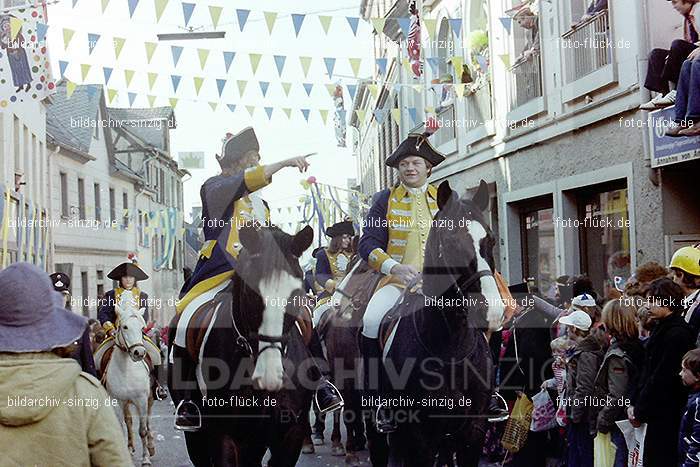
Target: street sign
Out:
[666,150]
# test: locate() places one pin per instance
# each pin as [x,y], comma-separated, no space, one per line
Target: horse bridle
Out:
[119,340]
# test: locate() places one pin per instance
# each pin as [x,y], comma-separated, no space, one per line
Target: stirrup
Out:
[385,426]
[333,407]
[499,418]
[160,393]
[188,427]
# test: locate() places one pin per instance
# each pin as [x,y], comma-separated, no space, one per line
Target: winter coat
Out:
[581,372]
[69,423]
[689,437]
[615,383]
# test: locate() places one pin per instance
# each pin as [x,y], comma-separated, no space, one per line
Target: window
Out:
[526,76]
[605,235]
[125,205]
[81,198]
[98,203]
[112,207]
[64,195]
[537,242]
[162,186]
[84,291]
[146,232]
[139,227]
[100,284]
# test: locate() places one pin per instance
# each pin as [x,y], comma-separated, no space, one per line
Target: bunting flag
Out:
[132,7]
[325,22]
[381,64]
[353,21]
[203,56]
[250,109]
[459,89]
[254,62]
[198,81]
[378,24]
[456,26]
[405,25]
[128,76]
[305,113]
[361,115]
[177,53]
[151,100]
[242,17]
[305,65]
[413,113]
[297,21]
[355,64]
[308,87]
[434,63]
[264,85]
[324,115]
[176,81]
[457,63]
[279,63]
[286,87]
[241,86]
[150,50]
[152,80]
[396,116]
[214,106]
[430,25]
[160,8]
[118,46]
[215,14]
[228,59]
[373,90]
[132,98]
[380,115]
[92,42]
[505,58]
[507,22]
[483,63]
[268,111]
[41,29]
[330,65]
[111,94]
[231,107]
[107,73]
[220,83]
[70,88]
[352,90]
[330,87]
[287,112]
[187,10]
[62,65]
[105,3]
[270,19]
[67,34]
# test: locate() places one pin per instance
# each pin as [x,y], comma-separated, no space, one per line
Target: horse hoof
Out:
[352,459]
[337,451]
[318,440]
[151,451]
[146,462]
[308,449]
[132,450]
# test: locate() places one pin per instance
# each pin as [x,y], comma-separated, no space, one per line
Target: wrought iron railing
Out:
[526,80]
[447,131]
[587,47]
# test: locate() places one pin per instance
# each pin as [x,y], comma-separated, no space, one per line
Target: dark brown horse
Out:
[252,377]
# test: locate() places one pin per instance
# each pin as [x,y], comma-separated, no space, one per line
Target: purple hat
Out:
[32,316]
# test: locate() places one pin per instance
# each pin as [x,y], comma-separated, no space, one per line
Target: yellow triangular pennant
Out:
[250,109]
[241,86]
[213,106]
[173,102]
[151,100]
[330,87]
[67,36]
[378,24]
[16,25]
[203,56]
[215,13]
[457,63]
[361,115]
[70,88]
[85,69]
[111,94]
[160,8]
[429,109]
[128,76]
[270,19]
[305,65]
[150,50]
[396,115]
[255,61]
[104,5]
[355,64]
[288,112]
[430,24]
[505,59]
[286,87]
[151,80]
[198,80]
[373,89]
[459,89]
[118,46]
[325,22]
[324,115]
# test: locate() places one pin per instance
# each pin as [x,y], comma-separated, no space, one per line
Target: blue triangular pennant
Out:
[264,85]
[41,29]
[352,89]
[108,73]
[228,59]
[280,60]
[456,25]
[187,10]
[381,63]
[298,20]
[62,64]
[176,81]
[132,7]
[330,65]
[92,42]
[308,87]
[268,111]
[220,83]
[353,21]
[413,113]
[132,98]
[380,115]
[305,113]
[177,51]
[433,62]
[242,17]
[231,107]
[75,2]
[405,25]
[507,22]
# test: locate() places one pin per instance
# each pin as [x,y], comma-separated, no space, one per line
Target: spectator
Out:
[617,375]
[34,332]
[526,18]
[665,65]
[595,7]
[689,438]
[687,106]
[580,378]
[685,266]
[660,395]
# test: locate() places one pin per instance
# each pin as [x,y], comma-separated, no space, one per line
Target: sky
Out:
[199,128]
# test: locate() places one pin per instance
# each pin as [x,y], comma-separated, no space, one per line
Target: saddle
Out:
[358,291]
[410,300]
[103,354]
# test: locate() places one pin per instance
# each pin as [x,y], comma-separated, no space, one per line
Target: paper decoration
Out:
[152,80]
[378,24]
[330,87]
[405,25]
[105,3]
[352,89]
[132,7]
[92,42]
[214,106]
[483,63]
[330,65]
[353,21]
[264,85]
[279,63]
[215,14]
[70,88]
[242,17]
[41,29]
[297,21]
[457,63]
[250,109]
[373,90]
[203,56]
[128,76]
[430,25]
[324,115]
[413,113]
[228,59]
[305,65]
[254,62]
[287,112]
[381,64]
[151,100]
[325,22]
[67,33]
[173,102]
[268,111]
[118,46]
[396,116]
[150,50]
[355,64]
[176,81]
[107,73]
[198,81]
[459,89]
[132,98]
[160,8]
[308,87]
[286,87]
[507,23]
[231,107]
[456,26]
[361,115]
[241,86]
[380,115]
[270,19]
[187,10]
[305,113]
[111,94]
[505,58]
[434,62]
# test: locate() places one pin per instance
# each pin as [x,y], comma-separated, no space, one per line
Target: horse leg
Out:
[151,444]
[376,442]
[286,444]
[337,448]
[124,406]
[319,427]
[227,453]
[198,447]
[354,443]
[142,408]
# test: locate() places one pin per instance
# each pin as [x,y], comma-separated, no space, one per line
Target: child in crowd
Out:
[689,438]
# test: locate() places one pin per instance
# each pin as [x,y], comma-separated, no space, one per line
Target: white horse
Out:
[127,377]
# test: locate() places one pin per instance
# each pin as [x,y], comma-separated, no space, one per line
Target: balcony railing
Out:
[446,132]
[587,48]
[477,107]
[526,81]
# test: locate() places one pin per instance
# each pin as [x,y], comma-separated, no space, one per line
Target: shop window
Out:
[537,243]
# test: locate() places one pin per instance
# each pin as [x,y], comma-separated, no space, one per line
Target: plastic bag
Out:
[603,451]
[634,437]
[518,425]
[543,412]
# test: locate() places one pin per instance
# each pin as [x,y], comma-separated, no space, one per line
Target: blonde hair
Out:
[620,320]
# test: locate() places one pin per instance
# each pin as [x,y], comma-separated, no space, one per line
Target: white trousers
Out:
[379,305]
[319,312]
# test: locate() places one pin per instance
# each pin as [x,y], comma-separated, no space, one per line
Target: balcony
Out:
[445,138]
[526,81]
[477,107]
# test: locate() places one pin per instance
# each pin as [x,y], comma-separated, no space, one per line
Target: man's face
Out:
[128,282]
[525,20]
[413,171]
[681,6]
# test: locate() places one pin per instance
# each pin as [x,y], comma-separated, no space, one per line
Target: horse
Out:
[127,376]
[436,367]
[245,343]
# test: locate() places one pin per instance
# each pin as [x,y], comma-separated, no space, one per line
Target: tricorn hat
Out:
[128,268]
[341,228]
[235,146]
[415,145]
[60,281]
[518,289]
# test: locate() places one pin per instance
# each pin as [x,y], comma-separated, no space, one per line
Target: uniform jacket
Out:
[72,427]
[615,383]
[328,267]
[689,437]
[224,207]
[107,313]
[581,372]
[385,231]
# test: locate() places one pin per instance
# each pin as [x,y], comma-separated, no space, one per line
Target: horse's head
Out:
[269,265]
[129,336]
[459,253]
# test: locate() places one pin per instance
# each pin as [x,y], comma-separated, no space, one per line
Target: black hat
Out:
[127,269]
[518,289]
[237,145]
[415,145]
[341,228]
[60,281]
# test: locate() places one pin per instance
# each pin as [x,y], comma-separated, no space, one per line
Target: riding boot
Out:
[327,396]
[187,414]
[373,379]
[498,409]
